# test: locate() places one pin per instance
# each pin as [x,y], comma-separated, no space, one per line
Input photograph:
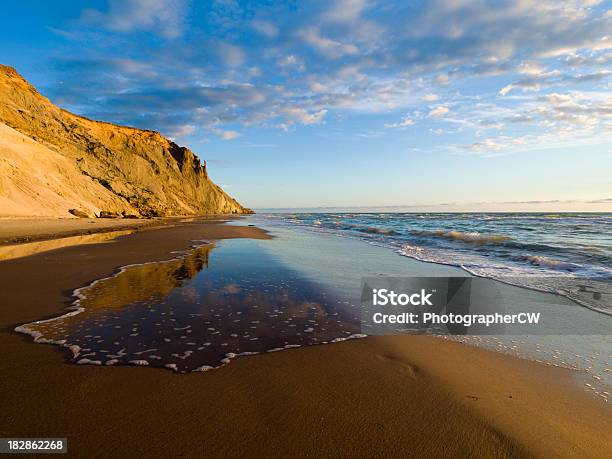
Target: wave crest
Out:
[549,262]
[474,237]
[374,230]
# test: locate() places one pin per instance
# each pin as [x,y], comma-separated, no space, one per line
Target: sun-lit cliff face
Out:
[52,161]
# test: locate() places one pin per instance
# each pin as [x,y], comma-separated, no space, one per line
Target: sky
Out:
[432,105]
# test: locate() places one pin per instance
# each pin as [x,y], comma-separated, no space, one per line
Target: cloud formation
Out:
[405,122]
[158,16]
[493,72]
[225,135]
[438,112]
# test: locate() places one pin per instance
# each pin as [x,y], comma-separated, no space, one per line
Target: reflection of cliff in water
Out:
[13,251]
[179,315]
[147,282]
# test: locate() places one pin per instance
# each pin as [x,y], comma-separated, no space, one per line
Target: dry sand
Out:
[391,396]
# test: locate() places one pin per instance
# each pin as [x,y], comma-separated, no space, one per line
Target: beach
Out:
[386,396]
[333,229]
[23,230]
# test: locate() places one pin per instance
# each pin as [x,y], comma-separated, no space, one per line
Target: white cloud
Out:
[487,145]
[438,112]
[290,61]
[232,55]
[430,97]
[318,87]
[326,46]
[405,122]
[345,10]
[560,119]
[530,68]
[442,79]
[164,17]
[560,100]
[254,71]
[183,130]
[537,82]
[576,60]
[225,135]
[301,115]
[506,89]
[265,28]
[133,68]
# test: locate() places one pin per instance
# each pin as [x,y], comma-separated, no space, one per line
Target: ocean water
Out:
[568,254]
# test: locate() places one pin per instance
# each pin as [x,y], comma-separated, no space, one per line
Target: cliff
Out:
[52,161]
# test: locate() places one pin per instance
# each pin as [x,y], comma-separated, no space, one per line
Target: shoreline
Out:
[509,279]
[400,393]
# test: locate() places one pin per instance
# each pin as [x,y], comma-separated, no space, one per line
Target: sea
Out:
[564,253]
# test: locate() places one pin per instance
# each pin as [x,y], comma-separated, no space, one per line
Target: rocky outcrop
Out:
[79,213]
[52,161]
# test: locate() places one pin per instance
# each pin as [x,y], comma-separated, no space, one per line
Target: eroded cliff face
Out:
[52,161]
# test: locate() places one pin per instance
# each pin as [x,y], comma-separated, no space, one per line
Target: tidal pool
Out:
[197,311]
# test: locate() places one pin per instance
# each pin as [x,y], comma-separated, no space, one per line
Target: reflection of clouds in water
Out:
[186,315]
[190,294]
[232,288]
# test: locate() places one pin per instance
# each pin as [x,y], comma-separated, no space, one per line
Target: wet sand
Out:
[392,396]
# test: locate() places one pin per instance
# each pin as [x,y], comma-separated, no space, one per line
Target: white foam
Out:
[545,261]
[79,293]
[473,236]
[354,336]
[145,351]
[204,368]
[120,353]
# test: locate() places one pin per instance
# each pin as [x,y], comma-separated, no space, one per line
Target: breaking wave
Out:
[571,248]
[474,237]
[539,260]
[382,231]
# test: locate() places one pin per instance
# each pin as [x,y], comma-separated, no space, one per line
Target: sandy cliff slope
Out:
[52,161]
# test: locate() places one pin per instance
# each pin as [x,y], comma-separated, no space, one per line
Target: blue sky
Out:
[440,105]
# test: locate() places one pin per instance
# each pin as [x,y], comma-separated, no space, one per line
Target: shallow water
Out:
[566,253]
[13,251]
[198,311]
